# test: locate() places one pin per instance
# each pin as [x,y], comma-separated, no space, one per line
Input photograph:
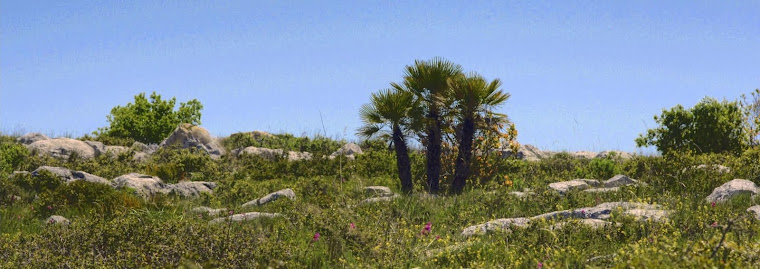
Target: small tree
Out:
[709,127]
[149,121]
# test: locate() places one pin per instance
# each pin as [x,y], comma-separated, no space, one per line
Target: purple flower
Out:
[437,237]
[50,207]
[713,204]
[540,265]
[427,228]
[352,226]
[714,224]
[316,237]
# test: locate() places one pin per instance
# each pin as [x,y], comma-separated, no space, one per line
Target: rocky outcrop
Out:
[622,155]
[287,193]
[529,153]
[619,181]
[31,138]
[720,169]
[58,220]
[190,189]
[148,186]
[575,184]
[732,188]
[192,136]
[63,148]
[144,185]
[587,215]
[245,217]
[532,153]
[380,191]
[69,176]
[756,210]
[349,150]
[209,211]
[273,154]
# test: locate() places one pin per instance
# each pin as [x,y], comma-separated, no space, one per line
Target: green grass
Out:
[163,232]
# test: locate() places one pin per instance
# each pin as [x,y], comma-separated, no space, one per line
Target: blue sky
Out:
[585,75]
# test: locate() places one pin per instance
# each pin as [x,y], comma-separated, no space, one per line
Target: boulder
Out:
[144,185]
[31,138]
[731,189]
[575,184]
[380,199]
[58,220]
[140,147]
[619,181]
[69,176]
[496,225]
[592,216]
[192,136]
[288,193]
[190,189]
[349,150]
[591,223]
[756,210]
[208,211]
[622,155]
[714,167]
[584,154]
[378,191]
[272,154]
[245,217]
[114,151]
[596,190]
[98,147]
[528,153]
[63,148]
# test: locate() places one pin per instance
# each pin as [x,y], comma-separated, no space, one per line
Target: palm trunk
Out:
[402,160]
[434,152]
[464,157]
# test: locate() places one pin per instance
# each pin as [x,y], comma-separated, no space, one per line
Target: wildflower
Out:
[316,237]
[437,237]
[540,265]
[231,212]
[51,221]
[713,204]
[427,228]
[50,207]
[352,226]
[714,224]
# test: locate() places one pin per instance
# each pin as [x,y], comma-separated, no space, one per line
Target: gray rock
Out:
[349,150]
[575,184]
[140,147]
[98,147]
[592,223]
[588,215]
[62,148]
[378,191]
[528,153]
[31,138]
[192,136]
[18,173]
[288,193]
[190,189]
[245,217]
[731,189]
[380,199]
[622,155]
[714,167]
[144,185]
[272,154]
[619,181]
[58,220]
[521,194]
[601,190]
[69,176]
[755,209]
[495,225]
[114,151]
[208,211]
[141,156]
[584,154]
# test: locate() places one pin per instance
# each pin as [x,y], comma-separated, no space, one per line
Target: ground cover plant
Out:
[319,202]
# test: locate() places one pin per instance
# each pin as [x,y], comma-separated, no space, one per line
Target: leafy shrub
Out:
[173,165]
[288,142]
[44,181]
[148,121]
[82,196]
[12,157]
[602,168]
[709,127]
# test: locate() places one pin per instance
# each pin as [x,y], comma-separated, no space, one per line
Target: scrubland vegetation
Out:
[331,224]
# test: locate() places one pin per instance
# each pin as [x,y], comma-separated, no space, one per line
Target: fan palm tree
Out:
[428,80]
[390,109]
[474,97]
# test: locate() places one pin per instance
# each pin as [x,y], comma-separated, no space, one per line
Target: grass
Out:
[126,231]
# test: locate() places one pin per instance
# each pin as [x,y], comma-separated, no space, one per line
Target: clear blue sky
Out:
[585,75]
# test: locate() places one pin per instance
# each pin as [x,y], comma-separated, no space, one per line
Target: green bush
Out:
[602,168]
[173,165]
[147,121]
[84,197]
[317,145]
[709,127]
[13,156]
[44,181]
